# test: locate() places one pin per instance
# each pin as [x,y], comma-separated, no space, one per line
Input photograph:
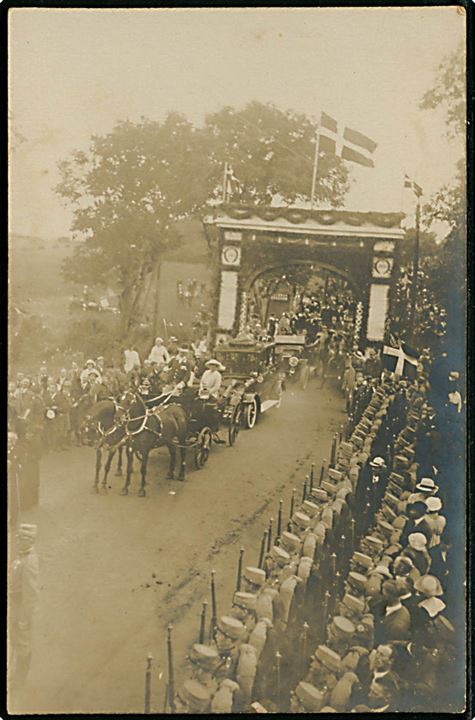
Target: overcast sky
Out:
[74,73]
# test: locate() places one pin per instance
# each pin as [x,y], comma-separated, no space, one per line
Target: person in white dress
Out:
[159,354]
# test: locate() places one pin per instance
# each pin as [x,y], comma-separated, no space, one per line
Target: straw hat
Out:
[429,586]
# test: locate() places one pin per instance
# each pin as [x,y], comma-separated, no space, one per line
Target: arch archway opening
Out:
[302,291]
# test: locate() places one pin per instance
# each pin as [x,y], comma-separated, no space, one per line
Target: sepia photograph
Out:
[237,300]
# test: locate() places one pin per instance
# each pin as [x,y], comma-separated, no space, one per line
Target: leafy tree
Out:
[271,152]
[448,92]
[127,192]
[448,272]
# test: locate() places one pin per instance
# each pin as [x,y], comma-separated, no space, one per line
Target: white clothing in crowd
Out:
[132,360]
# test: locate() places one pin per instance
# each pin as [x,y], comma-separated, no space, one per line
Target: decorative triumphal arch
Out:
[360,247]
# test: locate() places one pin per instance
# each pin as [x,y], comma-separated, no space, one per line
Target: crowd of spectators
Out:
[356,602]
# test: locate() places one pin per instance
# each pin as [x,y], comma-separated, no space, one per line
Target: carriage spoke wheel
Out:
[203,446]
[251,414]
[235,425]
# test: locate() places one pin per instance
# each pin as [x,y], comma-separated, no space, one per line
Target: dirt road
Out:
[114,571]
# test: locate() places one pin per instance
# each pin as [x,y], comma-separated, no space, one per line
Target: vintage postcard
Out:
[237,387]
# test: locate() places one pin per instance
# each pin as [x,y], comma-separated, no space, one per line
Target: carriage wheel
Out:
[250,414]
[304,376]
[203,446]
[235,425]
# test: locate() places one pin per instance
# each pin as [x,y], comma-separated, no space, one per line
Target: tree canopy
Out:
[132,186]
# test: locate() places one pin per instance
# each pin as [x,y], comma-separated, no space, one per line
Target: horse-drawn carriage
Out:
[252,377]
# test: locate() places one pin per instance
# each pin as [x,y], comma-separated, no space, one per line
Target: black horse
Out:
[149,428]
[102,429]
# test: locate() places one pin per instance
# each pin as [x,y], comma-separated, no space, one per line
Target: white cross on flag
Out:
[350,145]
[401,360]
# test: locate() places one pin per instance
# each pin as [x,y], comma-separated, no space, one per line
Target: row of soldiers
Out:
[383,636]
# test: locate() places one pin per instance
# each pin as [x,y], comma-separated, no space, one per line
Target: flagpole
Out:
[315,165]
[225,181]
[415,274]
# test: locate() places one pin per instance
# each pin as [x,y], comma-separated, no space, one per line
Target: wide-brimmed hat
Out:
[427,484]
[90,362]
[214,363]
[417,540]
[433,504]
[429,585]
[378,462]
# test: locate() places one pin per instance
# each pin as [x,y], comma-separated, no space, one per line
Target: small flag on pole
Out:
[400,359]
[350,145]
[408,183]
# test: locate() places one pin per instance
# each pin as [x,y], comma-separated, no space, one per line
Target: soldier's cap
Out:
[319,494]
[328,487]
[231,627]
[380,570]
[301,519]
[401,460]
[204,655]
[429,586]
[433,504]
[335,475]
[173,339]
[346,448]
[389,512]
[417,540]
[329,658]
[245,600]
[290,542]
[385,527]
[362,559]
[309,696]
[90,362]
[280,555]
[374,542]
[399,522]
[254,575]
[427,485]
[338,505]
[342,625]
[310,508]
[194,694]
[305,566]
[327,709]
[356,580]
[353,603]
[399,479]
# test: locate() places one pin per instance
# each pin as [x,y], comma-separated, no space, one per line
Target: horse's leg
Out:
[182,473]
[143,470]
[119,462]
[171,466]
[129,453]
[98,469]
[107,467]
